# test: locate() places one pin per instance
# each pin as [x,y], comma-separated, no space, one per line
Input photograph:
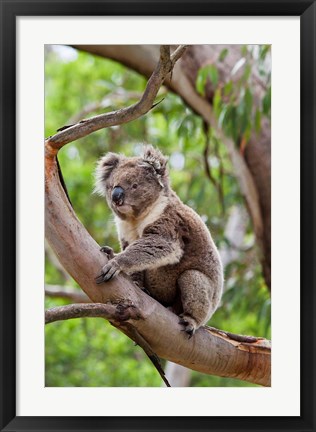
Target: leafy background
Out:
[90,352]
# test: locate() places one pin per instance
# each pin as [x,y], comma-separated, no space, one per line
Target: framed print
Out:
[192,81]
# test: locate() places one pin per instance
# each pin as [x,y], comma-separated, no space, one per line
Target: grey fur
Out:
[166,247]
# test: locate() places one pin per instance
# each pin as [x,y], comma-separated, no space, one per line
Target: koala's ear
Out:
[155,158]
[103,171]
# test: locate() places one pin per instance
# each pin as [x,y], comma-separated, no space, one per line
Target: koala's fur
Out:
[166,247]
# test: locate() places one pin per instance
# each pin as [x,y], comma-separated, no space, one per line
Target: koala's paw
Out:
[108,251]
[110,270]
[189,324]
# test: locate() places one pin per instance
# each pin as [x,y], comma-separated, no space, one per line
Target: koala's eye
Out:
[134,186]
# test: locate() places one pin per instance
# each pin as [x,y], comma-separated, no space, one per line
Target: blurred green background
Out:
[90,352]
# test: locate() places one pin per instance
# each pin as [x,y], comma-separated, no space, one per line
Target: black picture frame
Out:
[11,9]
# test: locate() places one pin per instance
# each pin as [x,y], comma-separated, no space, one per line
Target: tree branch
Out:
[178,52]
[112,312]
[81,257]
[66,293]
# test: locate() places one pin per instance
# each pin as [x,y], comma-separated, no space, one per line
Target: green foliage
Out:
[266,103]
[233,101]
[223,54]
[90,352]
[207,72]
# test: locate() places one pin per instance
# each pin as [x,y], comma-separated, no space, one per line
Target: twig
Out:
[73,295]
[157,103]
[138,338]
[113,312]
[178,53]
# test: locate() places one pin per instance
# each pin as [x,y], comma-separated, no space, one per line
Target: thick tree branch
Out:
[81,257]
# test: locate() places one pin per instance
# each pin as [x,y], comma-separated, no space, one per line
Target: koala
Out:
[165,246]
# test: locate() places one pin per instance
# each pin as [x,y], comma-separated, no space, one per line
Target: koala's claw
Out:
[190,331]
[110,270]
[145,291]
[189,327]
[108,251]
[99,279]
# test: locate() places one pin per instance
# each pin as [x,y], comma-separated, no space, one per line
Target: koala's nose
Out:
[118,195]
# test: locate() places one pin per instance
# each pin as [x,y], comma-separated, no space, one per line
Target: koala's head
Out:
[131,185]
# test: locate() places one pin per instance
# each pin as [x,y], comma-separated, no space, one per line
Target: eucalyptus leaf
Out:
[258,121]
[223,54]
[239,64]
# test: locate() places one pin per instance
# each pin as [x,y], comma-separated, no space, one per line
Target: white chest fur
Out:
[133,230]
